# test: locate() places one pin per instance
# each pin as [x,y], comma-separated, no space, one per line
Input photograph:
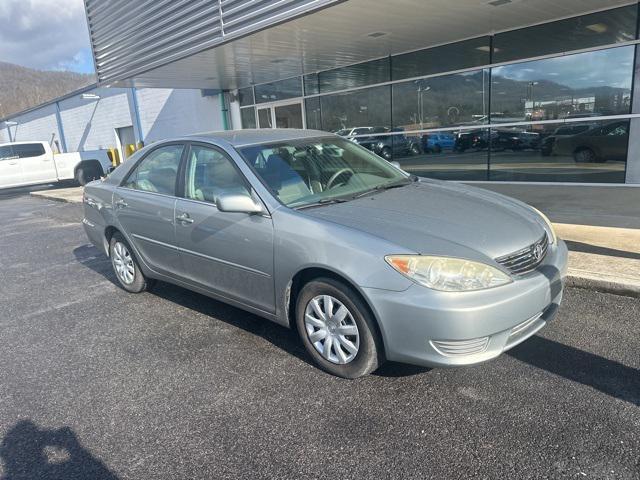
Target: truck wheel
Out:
[337,329]
[126,266]
[86,174]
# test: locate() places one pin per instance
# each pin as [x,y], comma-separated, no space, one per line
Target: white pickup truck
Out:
[31,163]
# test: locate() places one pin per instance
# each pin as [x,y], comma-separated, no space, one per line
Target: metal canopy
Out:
[349,32]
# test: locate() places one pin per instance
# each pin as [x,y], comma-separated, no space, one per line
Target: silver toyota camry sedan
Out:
[314,232]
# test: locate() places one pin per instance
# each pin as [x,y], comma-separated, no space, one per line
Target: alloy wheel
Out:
[123,263]
[331,329]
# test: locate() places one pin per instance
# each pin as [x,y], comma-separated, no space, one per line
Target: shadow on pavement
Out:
[607,376]
[29,452]
[588,248]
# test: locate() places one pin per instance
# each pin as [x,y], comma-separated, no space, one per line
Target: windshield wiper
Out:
[387,186]
[324,201]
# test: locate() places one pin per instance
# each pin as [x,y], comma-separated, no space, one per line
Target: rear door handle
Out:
[184,218]
[121,203]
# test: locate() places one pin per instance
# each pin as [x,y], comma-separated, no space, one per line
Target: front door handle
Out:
[184,218]
[121,203]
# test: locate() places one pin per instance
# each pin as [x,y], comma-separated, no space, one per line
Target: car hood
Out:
[440,218]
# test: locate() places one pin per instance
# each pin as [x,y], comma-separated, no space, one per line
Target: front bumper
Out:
[435,329]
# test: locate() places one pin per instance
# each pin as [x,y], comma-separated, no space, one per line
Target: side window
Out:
[210,173]
[158,171]
[27,150]
[5,153]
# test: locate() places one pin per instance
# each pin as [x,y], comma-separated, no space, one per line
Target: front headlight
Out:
[552,233]
[448,274]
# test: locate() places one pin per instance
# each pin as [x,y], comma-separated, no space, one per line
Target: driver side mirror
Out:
[234,203]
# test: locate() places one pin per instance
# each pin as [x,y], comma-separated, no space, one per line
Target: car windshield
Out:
[317,170]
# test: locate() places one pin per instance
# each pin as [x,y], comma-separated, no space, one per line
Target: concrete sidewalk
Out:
[604,258]
[68,195]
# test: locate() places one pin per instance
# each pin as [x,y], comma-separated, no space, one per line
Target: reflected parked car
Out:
[597,144]
[352,132]
[309,230]
[388,146]
[546,146]
[437,142]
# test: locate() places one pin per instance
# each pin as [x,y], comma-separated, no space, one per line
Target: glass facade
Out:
[487,108]
[280,90]
[446,58]
[248,117]
[587,31]
[585,84]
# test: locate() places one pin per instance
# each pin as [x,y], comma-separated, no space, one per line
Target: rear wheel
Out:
[87,173]
[337,329]
[584,155]
[386,153]
[126,266]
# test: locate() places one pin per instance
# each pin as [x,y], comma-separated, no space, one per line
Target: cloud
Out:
[612,67]
[45,34]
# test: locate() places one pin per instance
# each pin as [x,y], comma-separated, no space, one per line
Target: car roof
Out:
[240,138]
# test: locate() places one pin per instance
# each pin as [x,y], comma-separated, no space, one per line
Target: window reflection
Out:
[571,152]
[245,96]
[280,90]
[585,84]
[448,155]
[446,58]
[458,99]
[370,107]
[359,75]
[602,28]
[248,117]
[312,112]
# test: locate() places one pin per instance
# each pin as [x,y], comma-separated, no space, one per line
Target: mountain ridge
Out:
[22,88]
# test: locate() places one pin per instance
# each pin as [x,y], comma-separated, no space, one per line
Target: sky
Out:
[45,34]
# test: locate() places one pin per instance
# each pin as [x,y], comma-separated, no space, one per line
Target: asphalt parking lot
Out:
[97,383]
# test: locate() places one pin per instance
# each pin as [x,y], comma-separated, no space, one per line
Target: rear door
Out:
[144,206]
[37,164]
[228,253]
[10,169]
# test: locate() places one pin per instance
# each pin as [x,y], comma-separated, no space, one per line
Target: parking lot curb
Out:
[617,285]
[59,196]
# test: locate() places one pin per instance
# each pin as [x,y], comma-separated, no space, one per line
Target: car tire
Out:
[350,355]
[584,155]
[126,267]
[86,174]
[415,149]
[386,153]
[437,149]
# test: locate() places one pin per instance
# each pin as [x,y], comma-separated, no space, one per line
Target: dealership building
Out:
[476,90]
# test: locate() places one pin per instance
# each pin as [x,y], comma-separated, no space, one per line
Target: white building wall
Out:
[39,124]
[90,124]
[168,113]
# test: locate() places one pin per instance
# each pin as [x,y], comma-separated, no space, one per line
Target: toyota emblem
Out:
[537,251]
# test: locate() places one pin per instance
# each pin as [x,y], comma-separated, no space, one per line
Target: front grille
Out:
[457,348]
[527,259]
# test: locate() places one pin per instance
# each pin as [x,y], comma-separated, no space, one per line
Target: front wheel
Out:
[337,329]
[126,266]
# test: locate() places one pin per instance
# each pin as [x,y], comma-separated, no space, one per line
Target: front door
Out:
[145,206]
[37,165]
[228,253]
[10,171]
[281,115]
